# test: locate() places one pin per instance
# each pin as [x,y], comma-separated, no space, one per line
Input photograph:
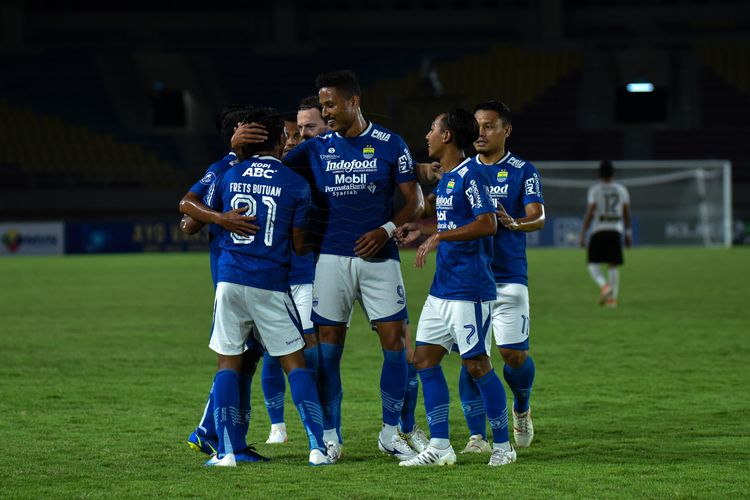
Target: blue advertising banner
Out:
[138,236]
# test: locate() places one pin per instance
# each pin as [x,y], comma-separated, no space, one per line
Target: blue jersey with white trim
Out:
[354,179]
[280,200]
[514,183]
[462,269]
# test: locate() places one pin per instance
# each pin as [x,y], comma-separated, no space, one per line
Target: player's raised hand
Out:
[248,133]
[429,244]
[407,233]
[371,242]
[233,221]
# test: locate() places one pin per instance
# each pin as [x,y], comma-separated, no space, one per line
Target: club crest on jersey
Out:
[368,152]
[502,175]
[449,187]
[208,179]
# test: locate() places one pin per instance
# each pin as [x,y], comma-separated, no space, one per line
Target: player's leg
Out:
[474,413]
[280,329]
[433,341]
[596,256]
[231,324]
[474,343]
[250,360]
[273,382]
[414,435]
[334,292]
[382,293]
[615,259]
[511,324]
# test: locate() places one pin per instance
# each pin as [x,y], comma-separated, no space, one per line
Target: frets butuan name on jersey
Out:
[609,200]
[354,180]
[462,270]
[514,183]
[279,199]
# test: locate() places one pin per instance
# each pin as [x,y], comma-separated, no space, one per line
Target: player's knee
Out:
[332,334]
[478,367]
[513,358]
[311,340]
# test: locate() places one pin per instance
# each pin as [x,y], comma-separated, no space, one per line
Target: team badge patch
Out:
[450,186]
[368,152]
[208,179]
[502,176]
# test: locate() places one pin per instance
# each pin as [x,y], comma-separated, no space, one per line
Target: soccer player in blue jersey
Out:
[204,437]
[517,193]
[355,170]
[253,289]
[300,280]
[459,307]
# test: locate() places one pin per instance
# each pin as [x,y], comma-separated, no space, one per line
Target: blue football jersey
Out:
[279,199]
[462,269]
[514,183]
[354,180]
[214,172]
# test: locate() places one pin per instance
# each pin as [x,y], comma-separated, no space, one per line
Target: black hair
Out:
[606,169]
[499,107]
[310,102]
[462,125]
[344,80]
[290,117]
[227,119]
[272,121]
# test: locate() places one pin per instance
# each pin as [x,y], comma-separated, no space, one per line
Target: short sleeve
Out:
[477,192]
[405,164]
[625,195]
[300,155]
[212,198]
[590,196]
[532,185]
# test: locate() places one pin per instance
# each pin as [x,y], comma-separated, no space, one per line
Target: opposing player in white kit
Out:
[608,208]
[517,193]
[458,309]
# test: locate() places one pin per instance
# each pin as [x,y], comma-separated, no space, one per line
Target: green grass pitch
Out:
[104,370]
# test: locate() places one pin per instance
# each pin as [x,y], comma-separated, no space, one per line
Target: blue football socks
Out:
[520,380]
[406,422]
[330,386]
[274,386]
[226,396]
[305,397]
[472,404]
[436,401]
[493,396]
[393,385]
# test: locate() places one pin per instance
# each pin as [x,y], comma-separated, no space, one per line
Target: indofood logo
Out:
[12,240]
[349,166]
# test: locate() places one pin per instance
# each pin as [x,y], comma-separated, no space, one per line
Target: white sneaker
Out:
[277,436]
[523,428]
[317,457]
[502,457]
[432,456]
[334,451]
[477,444]
[227,461]
[398,447]
[417,439]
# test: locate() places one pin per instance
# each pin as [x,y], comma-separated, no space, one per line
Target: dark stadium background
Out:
[107,108]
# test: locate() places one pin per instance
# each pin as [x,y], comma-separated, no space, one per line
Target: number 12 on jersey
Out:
[241,200]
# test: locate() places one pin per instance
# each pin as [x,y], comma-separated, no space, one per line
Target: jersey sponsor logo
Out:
[371,187]
[442,215]
[349,166]
[331,150]
[208,179]
[502,175]
[531,185]
[368,152]
[259,170]
[449,187]
[499,191]
[382,136]
[443,202]
[443,226]
[516,162]
[405,163]
[472,193]
[350,179]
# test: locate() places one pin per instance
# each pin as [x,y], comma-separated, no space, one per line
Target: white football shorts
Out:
[302,295]
[510,314]
[445,322]
[340,280]
[238,308]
